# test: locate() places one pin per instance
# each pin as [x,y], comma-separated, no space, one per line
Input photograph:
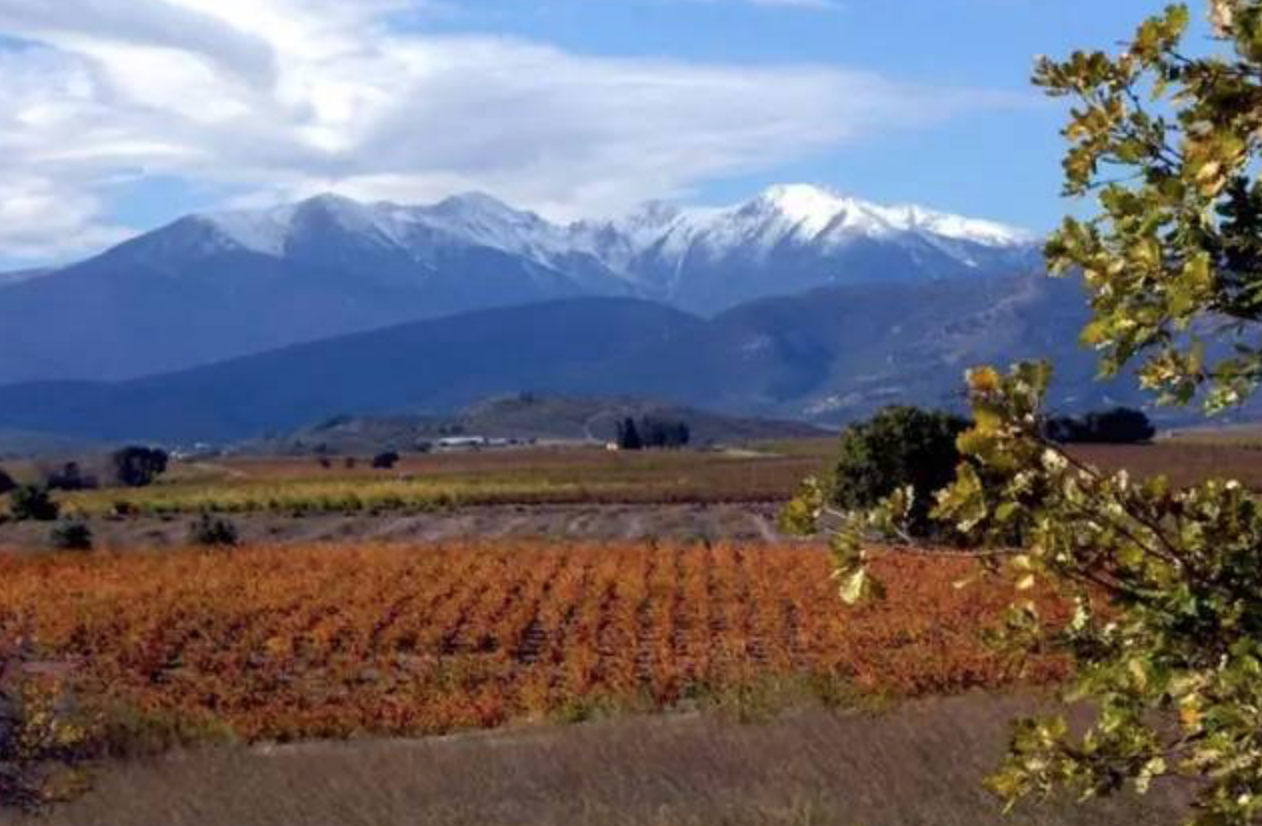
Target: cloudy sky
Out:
[120,115]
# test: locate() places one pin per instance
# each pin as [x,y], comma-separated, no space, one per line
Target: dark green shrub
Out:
[70,477]
[138,467]
[71,536]
[213,532]
[898,447]
[385,461]
[7,484]
[1119,426]
[31,502]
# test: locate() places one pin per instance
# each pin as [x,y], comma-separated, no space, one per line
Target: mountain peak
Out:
[812,207]
[474,201]
[331,200]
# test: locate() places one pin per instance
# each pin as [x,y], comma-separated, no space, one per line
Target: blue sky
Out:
[123,114]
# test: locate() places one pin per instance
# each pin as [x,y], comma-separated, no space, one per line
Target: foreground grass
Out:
[920,763]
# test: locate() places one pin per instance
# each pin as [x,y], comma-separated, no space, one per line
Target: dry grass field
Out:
[918,766]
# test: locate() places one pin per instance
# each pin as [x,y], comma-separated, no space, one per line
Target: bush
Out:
[385,461]
[7,485]
[138,467]
[1119,426]
[71,478]
[898,447]
[71,536]
[213,531]
[31,502]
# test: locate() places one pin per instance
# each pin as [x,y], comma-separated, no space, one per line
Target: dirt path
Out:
[714,523]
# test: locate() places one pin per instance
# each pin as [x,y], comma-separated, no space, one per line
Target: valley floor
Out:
[919,764]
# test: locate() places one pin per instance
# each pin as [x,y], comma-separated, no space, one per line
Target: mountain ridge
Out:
[215,286]
[828,356]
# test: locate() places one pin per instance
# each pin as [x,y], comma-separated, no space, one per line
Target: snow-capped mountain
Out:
[219,285]
[789,238]
[794,238]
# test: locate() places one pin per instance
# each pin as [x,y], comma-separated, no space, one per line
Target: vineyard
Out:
[329,642]
[423,483]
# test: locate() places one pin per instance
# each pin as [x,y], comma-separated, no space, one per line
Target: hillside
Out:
[521,417]
[827,356]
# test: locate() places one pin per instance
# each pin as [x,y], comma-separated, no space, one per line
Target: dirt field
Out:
[920,765]
[564,523]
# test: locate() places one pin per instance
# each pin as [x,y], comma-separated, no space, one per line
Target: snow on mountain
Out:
[787,239]
[797,213]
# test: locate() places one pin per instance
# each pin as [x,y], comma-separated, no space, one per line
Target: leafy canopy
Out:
[1165,585]
[1169,144]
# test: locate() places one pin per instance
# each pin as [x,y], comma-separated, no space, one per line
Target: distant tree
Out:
[1121,425]
[385,461]
[138,467]
[7,483]
[325,462]
[1066,430]
[664,433]
[32,502]
[351,463]
[629,435]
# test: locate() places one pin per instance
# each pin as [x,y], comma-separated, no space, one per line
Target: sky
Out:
[118,116]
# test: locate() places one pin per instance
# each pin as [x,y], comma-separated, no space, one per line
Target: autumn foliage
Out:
[324,641]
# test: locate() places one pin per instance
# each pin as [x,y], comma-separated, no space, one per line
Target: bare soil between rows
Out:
[750,522]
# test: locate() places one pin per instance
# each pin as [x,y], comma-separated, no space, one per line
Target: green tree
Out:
[1165,584]
[629,435]
[899,447]
[138,467]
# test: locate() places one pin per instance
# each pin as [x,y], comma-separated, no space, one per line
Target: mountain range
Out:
[220,286]
[827,356]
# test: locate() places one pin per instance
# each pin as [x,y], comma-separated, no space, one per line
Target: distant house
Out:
[462,442]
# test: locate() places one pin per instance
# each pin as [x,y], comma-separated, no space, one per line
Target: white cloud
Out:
[284,98]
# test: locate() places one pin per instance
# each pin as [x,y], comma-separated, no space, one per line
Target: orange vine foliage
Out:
[330,641]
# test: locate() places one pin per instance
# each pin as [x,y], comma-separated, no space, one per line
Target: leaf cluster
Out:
[1168,143]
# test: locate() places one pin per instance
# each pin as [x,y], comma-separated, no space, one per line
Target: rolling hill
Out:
[826,356]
